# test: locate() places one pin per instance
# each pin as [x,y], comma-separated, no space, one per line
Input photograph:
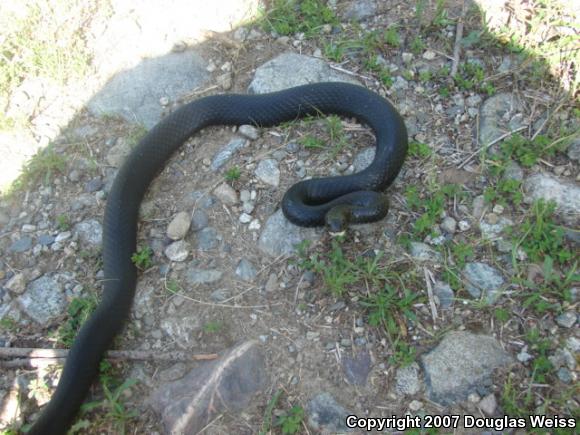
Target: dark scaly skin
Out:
[305,204]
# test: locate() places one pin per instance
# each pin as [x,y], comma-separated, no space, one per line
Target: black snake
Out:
[307,203]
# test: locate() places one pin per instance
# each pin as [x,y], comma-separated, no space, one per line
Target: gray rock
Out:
[423,252]
[118,153]
[566,195]
[89,232]
[229,383]
[488,404]
[94,185]
[280,236]
[45,239]
[199,220]
[62,236]
[226,194]
[177,251]
[565,375]
[449,225]
[179,225]
[135,93]
[23,244]
[483,278]
[513,171]
[44,299]
[493,231]
[493,114]
[249,131]
[17,283]
[460,364]
[444,294]
[326,415]
[207,239]
[563,358]
[290,69]
[407,380]
[574,149]
[267,171]
[182,329]
[219,295]
[478,206]
[227,152]
[360,10]
[356,368]
[364,159]
[246,270]
[567,319]
[201,199]
[202,276]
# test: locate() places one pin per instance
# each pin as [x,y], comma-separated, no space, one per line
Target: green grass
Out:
[78,311]
[213,327]
[63,222]
[232,174]
[419,150]
[287,17]
[291,421]
[332,138]
[143,258]
[41,168]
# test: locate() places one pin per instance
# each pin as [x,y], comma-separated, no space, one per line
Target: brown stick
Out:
[131,355]
[458,38]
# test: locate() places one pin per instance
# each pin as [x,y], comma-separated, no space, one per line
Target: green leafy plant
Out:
[291,16]
[291,422]
[267,423]
[419,149]
[391,36]
[417,45]
[143,258]
[232,174]
[384,305]
[78,311]
[63,222]
[213,327]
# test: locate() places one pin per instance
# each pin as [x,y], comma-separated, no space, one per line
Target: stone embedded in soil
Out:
[280,236]
[407,380]
[179,225]
[226,194]
[574,149]
[356,368]
[249,131]
[89,232]
[194,275]
[360,10]
[268,172]
[23,244]
[182,329]
[229,383]
[227,152]
[44,299]
[17,283]
[94,185]
[449,225]
[326,415]
[423,252]
[118,153]
[363,159]
[460,364]
[290,69]
[481,277]
[45,239]
[207,239]
[493,114]
[567,319]
[177,251]
[199,220]
[135,93]
[246,270]
[492,231]
[488,405]
[444,294]
[565,194]
[513,171]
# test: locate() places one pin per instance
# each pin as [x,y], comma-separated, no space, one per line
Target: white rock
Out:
[249,131]
[177,251]
[245,218]
[226,194]
[179,225]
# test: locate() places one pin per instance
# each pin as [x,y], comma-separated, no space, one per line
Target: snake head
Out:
[336,220]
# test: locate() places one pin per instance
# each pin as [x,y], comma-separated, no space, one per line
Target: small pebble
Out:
[226,194]
[245,218]
[567,319]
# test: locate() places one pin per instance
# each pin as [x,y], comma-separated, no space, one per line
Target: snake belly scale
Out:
[307,203]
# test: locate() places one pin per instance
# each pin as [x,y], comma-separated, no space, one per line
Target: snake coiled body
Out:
[305,204]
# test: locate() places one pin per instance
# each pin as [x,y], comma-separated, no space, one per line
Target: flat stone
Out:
[194,275]
[246,270]
[493,114]
[94,185]
[460,364]
[423,252]
[134,94]
[356,368]
[574,149]
[565,194]
[45,239]
[444,294]
[89,232]
[363,159]
[44,299]
[449,225]
[228,384]
[290,69]
[226,194]
[280,236]
[407,380]
[326,415]
[182,329]
[227,152]
[360,10]
[513,171]
[17,284]
[199,220]
[249,131]
[481,277]
[567,319]
[177,251]
[267,171]
[23,244]
[207,239]
[488,404]
[492,231]
[179,225]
